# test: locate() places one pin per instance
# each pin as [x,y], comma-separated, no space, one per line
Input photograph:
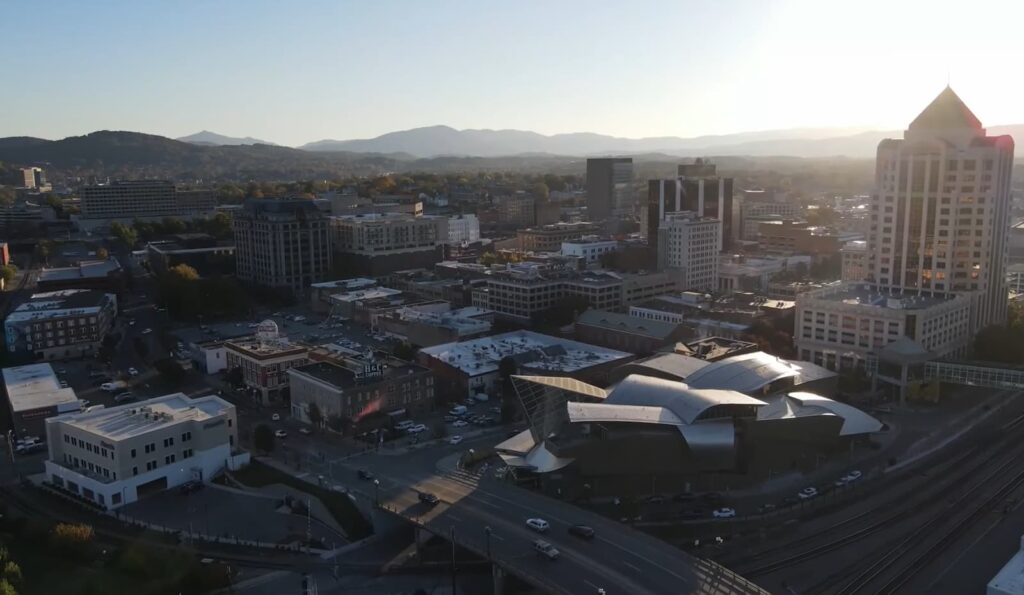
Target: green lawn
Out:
[257,474]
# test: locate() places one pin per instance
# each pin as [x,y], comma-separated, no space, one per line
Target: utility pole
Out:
[452,534]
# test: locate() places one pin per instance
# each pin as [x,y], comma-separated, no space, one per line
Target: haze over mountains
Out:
[205,137]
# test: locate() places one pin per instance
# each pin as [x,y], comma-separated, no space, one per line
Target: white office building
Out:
[463,229]
[589,249]
[688,245]
[115,456]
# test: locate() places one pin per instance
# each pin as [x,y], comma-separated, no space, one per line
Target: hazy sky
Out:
[298,71]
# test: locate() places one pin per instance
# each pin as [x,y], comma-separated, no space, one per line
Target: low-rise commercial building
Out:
[102,275]
[628,333]
[115,456]
[34,394]
[746,273]
[549,238]
[197,250]
[590,249]
[471,367]
[463,228]
[424,328]
[841,326]
[351,387]
[60,324]
[264,360]
[320,293]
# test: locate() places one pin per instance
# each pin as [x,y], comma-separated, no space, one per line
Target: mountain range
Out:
[205,137]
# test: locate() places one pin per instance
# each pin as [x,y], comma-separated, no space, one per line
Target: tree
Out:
[44,249]
[234,377]
[102,253]
[183,272]
[125,234]
[8,272]
[316,417]
[263,438]
[405,351]
[170,370]
[540,191]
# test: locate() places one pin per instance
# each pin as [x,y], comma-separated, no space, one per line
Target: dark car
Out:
[765,508]
[191,486]
[582,531]
[364,474]
[712,497]
[692,515]
[685,497]
[428,498]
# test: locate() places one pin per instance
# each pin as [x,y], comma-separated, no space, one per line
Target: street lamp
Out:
[487,532]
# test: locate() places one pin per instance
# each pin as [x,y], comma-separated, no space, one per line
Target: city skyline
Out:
[269,72]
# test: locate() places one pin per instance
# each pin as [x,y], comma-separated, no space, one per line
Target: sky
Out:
[304,70]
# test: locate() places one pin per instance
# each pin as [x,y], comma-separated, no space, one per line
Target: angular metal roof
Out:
[567,384]
[685,402]
[744,373]
[604,412]
[946,111]
[800,404]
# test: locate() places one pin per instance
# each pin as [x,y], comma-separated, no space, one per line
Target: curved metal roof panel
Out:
[745,373]
[855,421]
[604,412]
[685,402]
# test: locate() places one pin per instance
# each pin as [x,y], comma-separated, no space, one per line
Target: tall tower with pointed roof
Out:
[940,213]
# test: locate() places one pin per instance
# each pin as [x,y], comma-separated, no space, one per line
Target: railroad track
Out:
[936,493]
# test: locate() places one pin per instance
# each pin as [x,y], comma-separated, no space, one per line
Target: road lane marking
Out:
[592,585]
[631,566]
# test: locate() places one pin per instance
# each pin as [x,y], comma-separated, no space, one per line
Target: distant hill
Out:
[132,154]
[435,141]
[205,137]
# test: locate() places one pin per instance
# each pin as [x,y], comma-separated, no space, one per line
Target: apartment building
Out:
[282,243]
[377,244]
[689,245]
[60,324]
[115,456]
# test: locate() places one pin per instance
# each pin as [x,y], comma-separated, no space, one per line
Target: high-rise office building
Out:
[33,177]
[282,243]
[940,216]
[688,245]
[698,188]
[609,187]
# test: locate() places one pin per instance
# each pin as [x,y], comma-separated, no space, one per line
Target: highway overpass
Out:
[488,518]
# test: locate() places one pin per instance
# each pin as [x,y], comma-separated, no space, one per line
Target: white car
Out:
[146,331]
[417,429]
[305,431]
[852,476]
[275,417]
[281,434]
[455,440]
[133,372]
[545,549]
[807,493]
[538,525]
[460,423]
[724,513]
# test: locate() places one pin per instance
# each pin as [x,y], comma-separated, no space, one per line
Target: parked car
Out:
[191,486]
[450,418]
[124,397]
[280,433]
[305,431]
[275,417]
[582,531]
[538,525]
[417,429]
[807,493]
[133,372]
[655,499]
[455,439]
[765,508]
[545,549]
[852,476]
[146,331]
[428,498]
[364,475]
[458,410]
[724,513]
[685,497]
[460,424]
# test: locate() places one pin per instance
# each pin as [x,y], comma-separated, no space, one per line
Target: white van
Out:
[458,410]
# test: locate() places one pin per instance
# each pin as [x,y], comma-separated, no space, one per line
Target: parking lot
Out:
[214,510]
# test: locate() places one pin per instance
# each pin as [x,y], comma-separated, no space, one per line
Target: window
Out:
[133,453]
[150,447]
[168,459]
[186,436]
[135,471]
[150,465]
[168,442]
[187,453]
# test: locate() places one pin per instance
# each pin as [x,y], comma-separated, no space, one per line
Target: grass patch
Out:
[356,527]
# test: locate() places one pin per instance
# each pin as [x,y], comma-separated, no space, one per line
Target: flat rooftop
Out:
[53,304]
[338,375]
[866,295]
[135,419]
[365,294]
[89,269]
[353,283]
[531,350]
[35,386]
